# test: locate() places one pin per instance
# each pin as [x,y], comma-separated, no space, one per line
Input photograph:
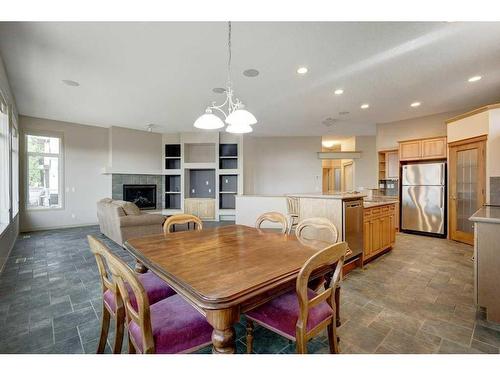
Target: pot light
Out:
[475,78]
[338,92]
[415,104]
[365,106]
[302,70]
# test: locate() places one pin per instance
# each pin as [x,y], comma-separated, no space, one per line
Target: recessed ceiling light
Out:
[415,104]
[475,78]
[69,82]
[219,90]
[365,106]
[251,73]
[338,92]
[302,70]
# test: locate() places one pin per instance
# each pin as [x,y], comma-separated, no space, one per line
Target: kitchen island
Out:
[487,260]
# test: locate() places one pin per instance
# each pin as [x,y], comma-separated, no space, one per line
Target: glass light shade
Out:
[208,121]
[239,129]
[241,117]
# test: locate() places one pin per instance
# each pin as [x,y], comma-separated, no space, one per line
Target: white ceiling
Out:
[132,74]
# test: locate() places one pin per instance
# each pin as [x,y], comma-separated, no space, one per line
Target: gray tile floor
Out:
[415,299]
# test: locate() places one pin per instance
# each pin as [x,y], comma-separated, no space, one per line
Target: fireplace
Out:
[144,196]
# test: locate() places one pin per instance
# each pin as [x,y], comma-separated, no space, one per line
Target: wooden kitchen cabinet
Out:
[204,208]
[423,149]
[379,230]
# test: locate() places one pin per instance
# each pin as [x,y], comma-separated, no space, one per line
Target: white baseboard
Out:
[38,229]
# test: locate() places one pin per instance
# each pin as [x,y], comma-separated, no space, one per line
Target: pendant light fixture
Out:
[233,110]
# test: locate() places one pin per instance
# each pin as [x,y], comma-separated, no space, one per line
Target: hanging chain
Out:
[229,55]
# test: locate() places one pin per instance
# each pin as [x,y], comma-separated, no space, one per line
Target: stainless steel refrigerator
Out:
[423,198]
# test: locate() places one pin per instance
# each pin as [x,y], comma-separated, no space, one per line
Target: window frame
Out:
[8,144]
[60,156]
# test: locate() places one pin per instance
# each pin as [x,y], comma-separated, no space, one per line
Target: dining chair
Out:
[181,219]
[273,217]
[316,232]
[112,306]
[302,314]
[292,204]
[171,325]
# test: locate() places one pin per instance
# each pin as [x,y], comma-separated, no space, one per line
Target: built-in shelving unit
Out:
[173,192]
[203,174]
[173,156]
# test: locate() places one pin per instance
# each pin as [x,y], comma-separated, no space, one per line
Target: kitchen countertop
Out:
[332,195]
[378,202]
[487,214]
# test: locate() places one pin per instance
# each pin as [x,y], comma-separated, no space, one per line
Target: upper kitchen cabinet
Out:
[423,149]
[388,167]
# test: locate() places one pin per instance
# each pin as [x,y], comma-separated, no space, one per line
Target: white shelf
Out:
[228,192]
[109,170]
[172,192]
[228,157]
[230,172]
[172,171]
[200,165]
[172,157]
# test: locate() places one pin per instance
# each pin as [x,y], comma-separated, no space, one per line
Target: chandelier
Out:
[233,110]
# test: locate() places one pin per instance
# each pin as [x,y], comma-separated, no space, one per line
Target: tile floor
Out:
[415,299]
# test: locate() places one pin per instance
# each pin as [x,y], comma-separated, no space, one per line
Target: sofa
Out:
[121,220]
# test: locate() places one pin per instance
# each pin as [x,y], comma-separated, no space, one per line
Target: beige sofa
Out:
[120,220]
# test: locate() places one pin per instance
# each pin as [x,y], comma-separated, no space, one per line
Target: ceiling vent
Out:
[329,121]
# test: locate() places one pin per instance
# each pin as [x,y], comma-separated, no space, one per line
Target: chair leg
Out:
[249,336]
[105,320]
[301,344]
[119,326]
[332,338]
[131,347]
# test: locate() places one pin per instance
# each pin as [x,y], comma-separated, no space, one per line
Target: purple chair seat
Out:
[176,326]
[281,313]
[155,288]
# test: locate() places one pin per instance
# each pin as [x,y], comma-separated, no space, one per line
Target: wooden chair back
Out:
[102,253]
[333,254]
[292,204]
[182,219]
[273,217]
[316,232]
[123,275]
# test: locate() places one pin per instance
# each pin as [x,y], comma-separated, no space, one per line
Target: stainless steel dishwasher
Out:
[353,226]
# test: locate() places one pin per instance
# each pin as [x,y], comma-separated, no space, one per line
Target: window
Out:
[44,171]
[15,166]
[4,164]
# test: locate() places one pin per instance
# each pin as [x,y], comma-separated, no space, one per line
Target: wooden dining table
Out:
[224,271]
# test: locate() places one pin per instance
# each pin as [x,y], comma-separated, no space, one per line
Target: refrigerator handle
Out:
[441,198]
[442,174]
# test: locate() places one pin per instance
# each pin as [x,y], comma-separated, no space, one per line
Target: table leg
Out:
[223,335]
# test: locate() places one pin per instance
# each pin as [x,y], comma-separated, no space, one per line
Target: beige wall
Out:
[366,167]
[134,151]
[280,165]
[85,154]
[388,134]
[468,127]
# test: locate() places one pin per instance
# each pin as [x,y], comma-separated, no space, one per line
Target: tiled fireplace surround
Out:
[118,180]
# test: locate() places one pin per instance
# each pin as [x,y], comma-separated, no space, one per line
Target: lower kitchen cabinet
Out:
[204,208]
[379,230]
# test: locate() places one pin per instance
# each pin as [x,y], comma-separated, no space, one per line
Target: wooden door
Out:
[206,208]
[375,229]
[434,148]
[392,227]
[367,241]
[191,206]
[392,164]
[385,232]
[467,186]
[348,177]
[410,150]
